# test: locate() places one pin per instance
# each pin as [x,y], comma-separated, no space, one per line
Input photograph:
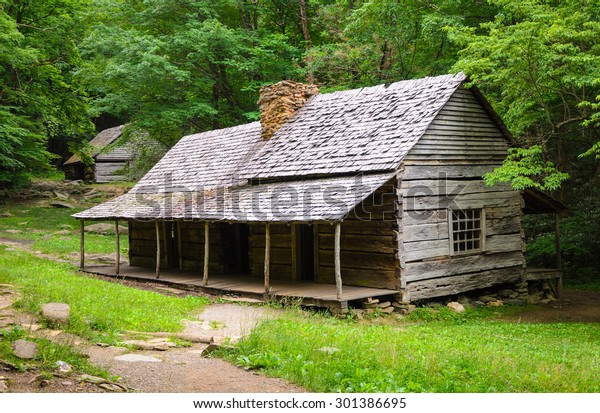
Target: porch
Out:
[244,285]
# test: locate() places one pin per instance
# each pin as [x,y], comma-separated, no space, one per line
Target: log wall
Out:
[281,251]
[142,246]
[368,244]
[106,171]
[443,172]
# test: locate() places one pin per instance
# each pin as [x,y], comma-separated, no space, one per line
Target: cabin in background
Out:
[108,164]
[335,198]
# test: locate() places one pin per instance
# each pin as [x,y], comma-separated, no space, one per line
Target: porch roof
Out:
[324,199]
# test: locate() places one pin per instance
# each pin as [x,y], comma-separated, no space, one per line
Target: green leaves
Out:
[527,168]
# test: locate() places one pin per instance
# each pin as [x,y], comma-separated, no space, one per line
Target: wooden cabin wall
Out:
[281,251]
[442,171]
[106,171]
[142,246]
[192,246]
[368,244]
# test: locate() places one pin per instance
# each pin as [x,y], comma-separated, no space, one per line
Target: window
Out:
[467,232]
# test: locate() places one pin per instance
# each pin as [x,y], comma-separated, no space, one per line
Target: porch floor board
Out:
[310,293]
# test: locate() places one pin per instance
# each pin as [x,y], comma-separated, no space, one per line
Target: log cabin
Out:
[109,161]
[333,198]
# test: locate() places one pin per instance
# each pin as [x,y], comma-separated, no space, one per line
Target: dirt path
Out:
[573,306]
[185,369]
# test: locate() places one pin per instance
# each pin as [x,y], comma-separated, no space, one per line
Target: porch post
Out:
[118,266]
[206,250]
[267,257]
[157,250]
[338,265]
[179,245]
[82,244]
[559,281]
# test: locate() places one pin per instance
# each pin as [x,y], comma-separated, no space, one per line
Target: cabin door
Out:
[305,252]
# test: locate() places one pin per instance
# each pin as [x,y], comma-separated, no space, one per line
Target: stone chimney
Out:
[279,102]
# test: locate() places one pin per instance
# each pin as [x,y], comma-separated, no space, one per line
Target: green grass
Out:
[99,309]
[467,354]
[48,354]
[41,225]
[585,284]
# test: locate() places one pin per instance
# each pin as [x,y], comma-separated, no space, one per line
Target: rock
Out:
[105,228]
[31,327]
[456,307]
[514,296]
[463,299]
[477,303]
[63,367]
[544,301]
[61,196]
[58,312]
[61,204]
[3,386]
[411,308]
[25,349]
[370,306]
[65,226]
[495,303]
[144,345]
[138,357]
[486,299]
[328,350]
[111,387]
[388,310]
[6,215]
[91,379]
[535,298]
[385,304]
[67,383]
[63,232]
[506,293]
[13,231]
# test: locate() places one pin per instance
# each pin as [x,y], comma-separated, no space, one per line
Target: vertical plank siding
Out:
[443,171]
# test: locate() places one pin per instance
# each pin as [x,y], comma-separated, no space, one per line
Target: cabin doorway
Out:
[241,233]
[305,252]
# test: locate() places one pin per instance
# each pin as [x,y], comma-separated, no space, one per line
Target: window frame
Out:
[482,231]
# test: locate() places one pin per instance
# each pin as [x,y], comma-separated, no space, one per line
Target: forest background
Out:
[69,68]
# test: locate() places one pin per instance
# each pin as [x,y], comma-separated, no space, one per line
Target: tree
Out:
[390,40]
[539,64]
[184,69]
[38,99]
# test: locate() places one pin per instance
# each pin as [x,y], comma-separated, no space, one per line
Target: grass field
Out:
[99,309]
[54,231]
[460,354]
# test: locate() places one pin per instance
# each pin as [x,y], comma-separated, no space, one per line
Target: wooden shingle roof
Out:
[320,152]
[362,130]
[101,141]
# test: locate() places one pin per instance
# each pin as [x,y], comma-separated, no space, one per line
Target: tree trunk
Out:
[307,41]
[304,21]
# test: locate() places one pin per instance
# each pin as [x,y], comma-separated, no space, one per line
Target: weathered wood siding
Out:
[220,253]
[105,171]
[142,246]
[368,244]
[281,251]
[443,171]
